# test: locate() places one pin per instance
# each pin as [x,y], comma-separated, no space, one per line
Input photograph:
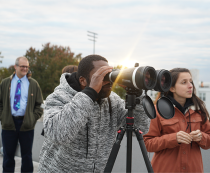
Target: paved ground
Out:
[116,169]
[18,164]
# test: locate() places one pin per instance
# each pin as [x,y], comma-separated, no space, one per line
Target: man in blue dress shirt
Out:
[20,108]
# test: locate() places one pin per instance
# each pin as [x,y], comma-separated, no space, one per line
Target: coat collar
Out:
[186,107]
[11,76]
[189,111]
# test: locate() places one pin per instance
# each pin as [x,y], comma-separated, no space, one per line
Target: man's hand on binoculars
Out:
[97,78]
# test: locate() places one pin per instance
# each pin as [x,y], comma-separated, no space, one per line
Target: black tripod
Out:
[130,105]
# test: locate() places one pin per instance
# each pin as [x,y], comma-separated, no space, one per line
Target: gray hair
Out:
[17,60]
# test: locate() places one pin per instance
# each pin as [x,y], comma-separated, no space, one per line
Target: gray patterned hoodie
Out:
[79,132]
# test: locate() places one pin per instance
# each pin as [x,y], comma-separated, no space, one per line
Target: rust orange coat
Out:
[169,155]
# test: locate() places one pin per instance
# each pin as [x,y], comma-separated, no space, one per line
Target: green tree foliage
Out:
[6,72]
[46,65]
[118,89]
[1,57]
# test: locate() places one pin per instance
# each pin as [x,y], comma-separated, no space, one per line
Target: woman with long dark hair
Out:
[177,141]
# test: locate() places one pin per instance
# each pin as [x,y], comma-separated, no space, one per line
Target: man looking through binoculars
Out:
[81,119]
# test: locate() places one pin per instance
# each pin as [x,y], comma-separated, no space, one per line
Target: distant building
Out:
[203,88]
[152,94]
[204,94]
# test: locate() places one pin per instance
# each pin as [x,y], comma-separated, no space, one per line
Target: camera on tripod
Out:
[134,80]
[146,78]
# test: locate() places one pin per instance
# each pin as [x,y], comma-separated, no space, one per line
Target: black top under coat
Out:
[187,104]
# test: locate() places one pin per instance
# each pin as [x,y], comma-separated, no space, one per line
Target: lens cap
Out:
[165,108]
[149,107]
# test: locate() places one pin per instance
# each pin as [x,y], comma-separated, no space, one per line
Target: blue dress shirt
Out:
[23,98]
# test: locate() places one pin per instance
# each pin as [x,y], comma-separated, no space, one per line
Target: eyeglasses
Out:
[22,66]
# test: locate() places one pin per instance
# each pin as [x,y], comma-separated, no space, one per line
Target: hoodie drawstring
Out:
[87,143]
[189,125]
[110,106]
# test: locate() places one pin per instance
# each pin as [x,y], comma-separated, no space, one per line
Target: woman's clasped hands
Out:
[187,138]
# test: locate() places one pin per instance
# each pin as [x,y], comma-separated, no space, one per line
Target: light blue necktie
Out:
[16,105]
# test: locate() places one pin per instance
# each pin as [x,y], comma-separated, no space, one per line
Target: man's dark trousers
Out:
[10,139]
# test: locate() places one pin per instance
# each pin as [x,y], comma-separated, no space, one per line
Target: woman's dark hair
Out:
[198,103]
[86,65]
[69,69]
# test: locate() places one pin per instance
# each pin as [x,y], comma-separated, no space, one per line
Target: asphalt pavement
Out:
[18,164]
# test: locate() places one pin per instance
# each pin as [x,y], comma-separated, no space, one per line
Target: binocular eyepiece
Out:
[146,78]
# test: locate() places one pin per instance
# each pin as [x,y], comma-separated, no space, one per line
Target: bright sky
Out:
[159,33]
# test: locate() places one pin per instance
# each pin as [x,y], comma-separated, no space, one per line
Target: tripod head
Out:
[130,99]
[133,91]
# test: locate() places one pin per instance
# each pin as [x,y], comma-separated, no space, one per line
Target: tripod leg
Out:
[143,150]
[129,131]
[114,152]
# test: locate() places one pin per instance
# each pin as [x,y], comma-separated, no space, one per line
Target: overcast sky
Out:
[159,33]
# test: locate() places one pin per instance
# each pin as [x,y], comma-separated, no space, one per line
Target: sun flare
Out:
[128,63]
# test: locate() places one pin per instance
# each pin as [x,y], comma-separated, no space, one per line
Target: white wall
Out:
[152,94]
[204,93]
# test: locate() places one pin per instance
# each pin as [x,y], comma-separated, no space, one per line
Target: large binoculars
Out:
[146,78]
